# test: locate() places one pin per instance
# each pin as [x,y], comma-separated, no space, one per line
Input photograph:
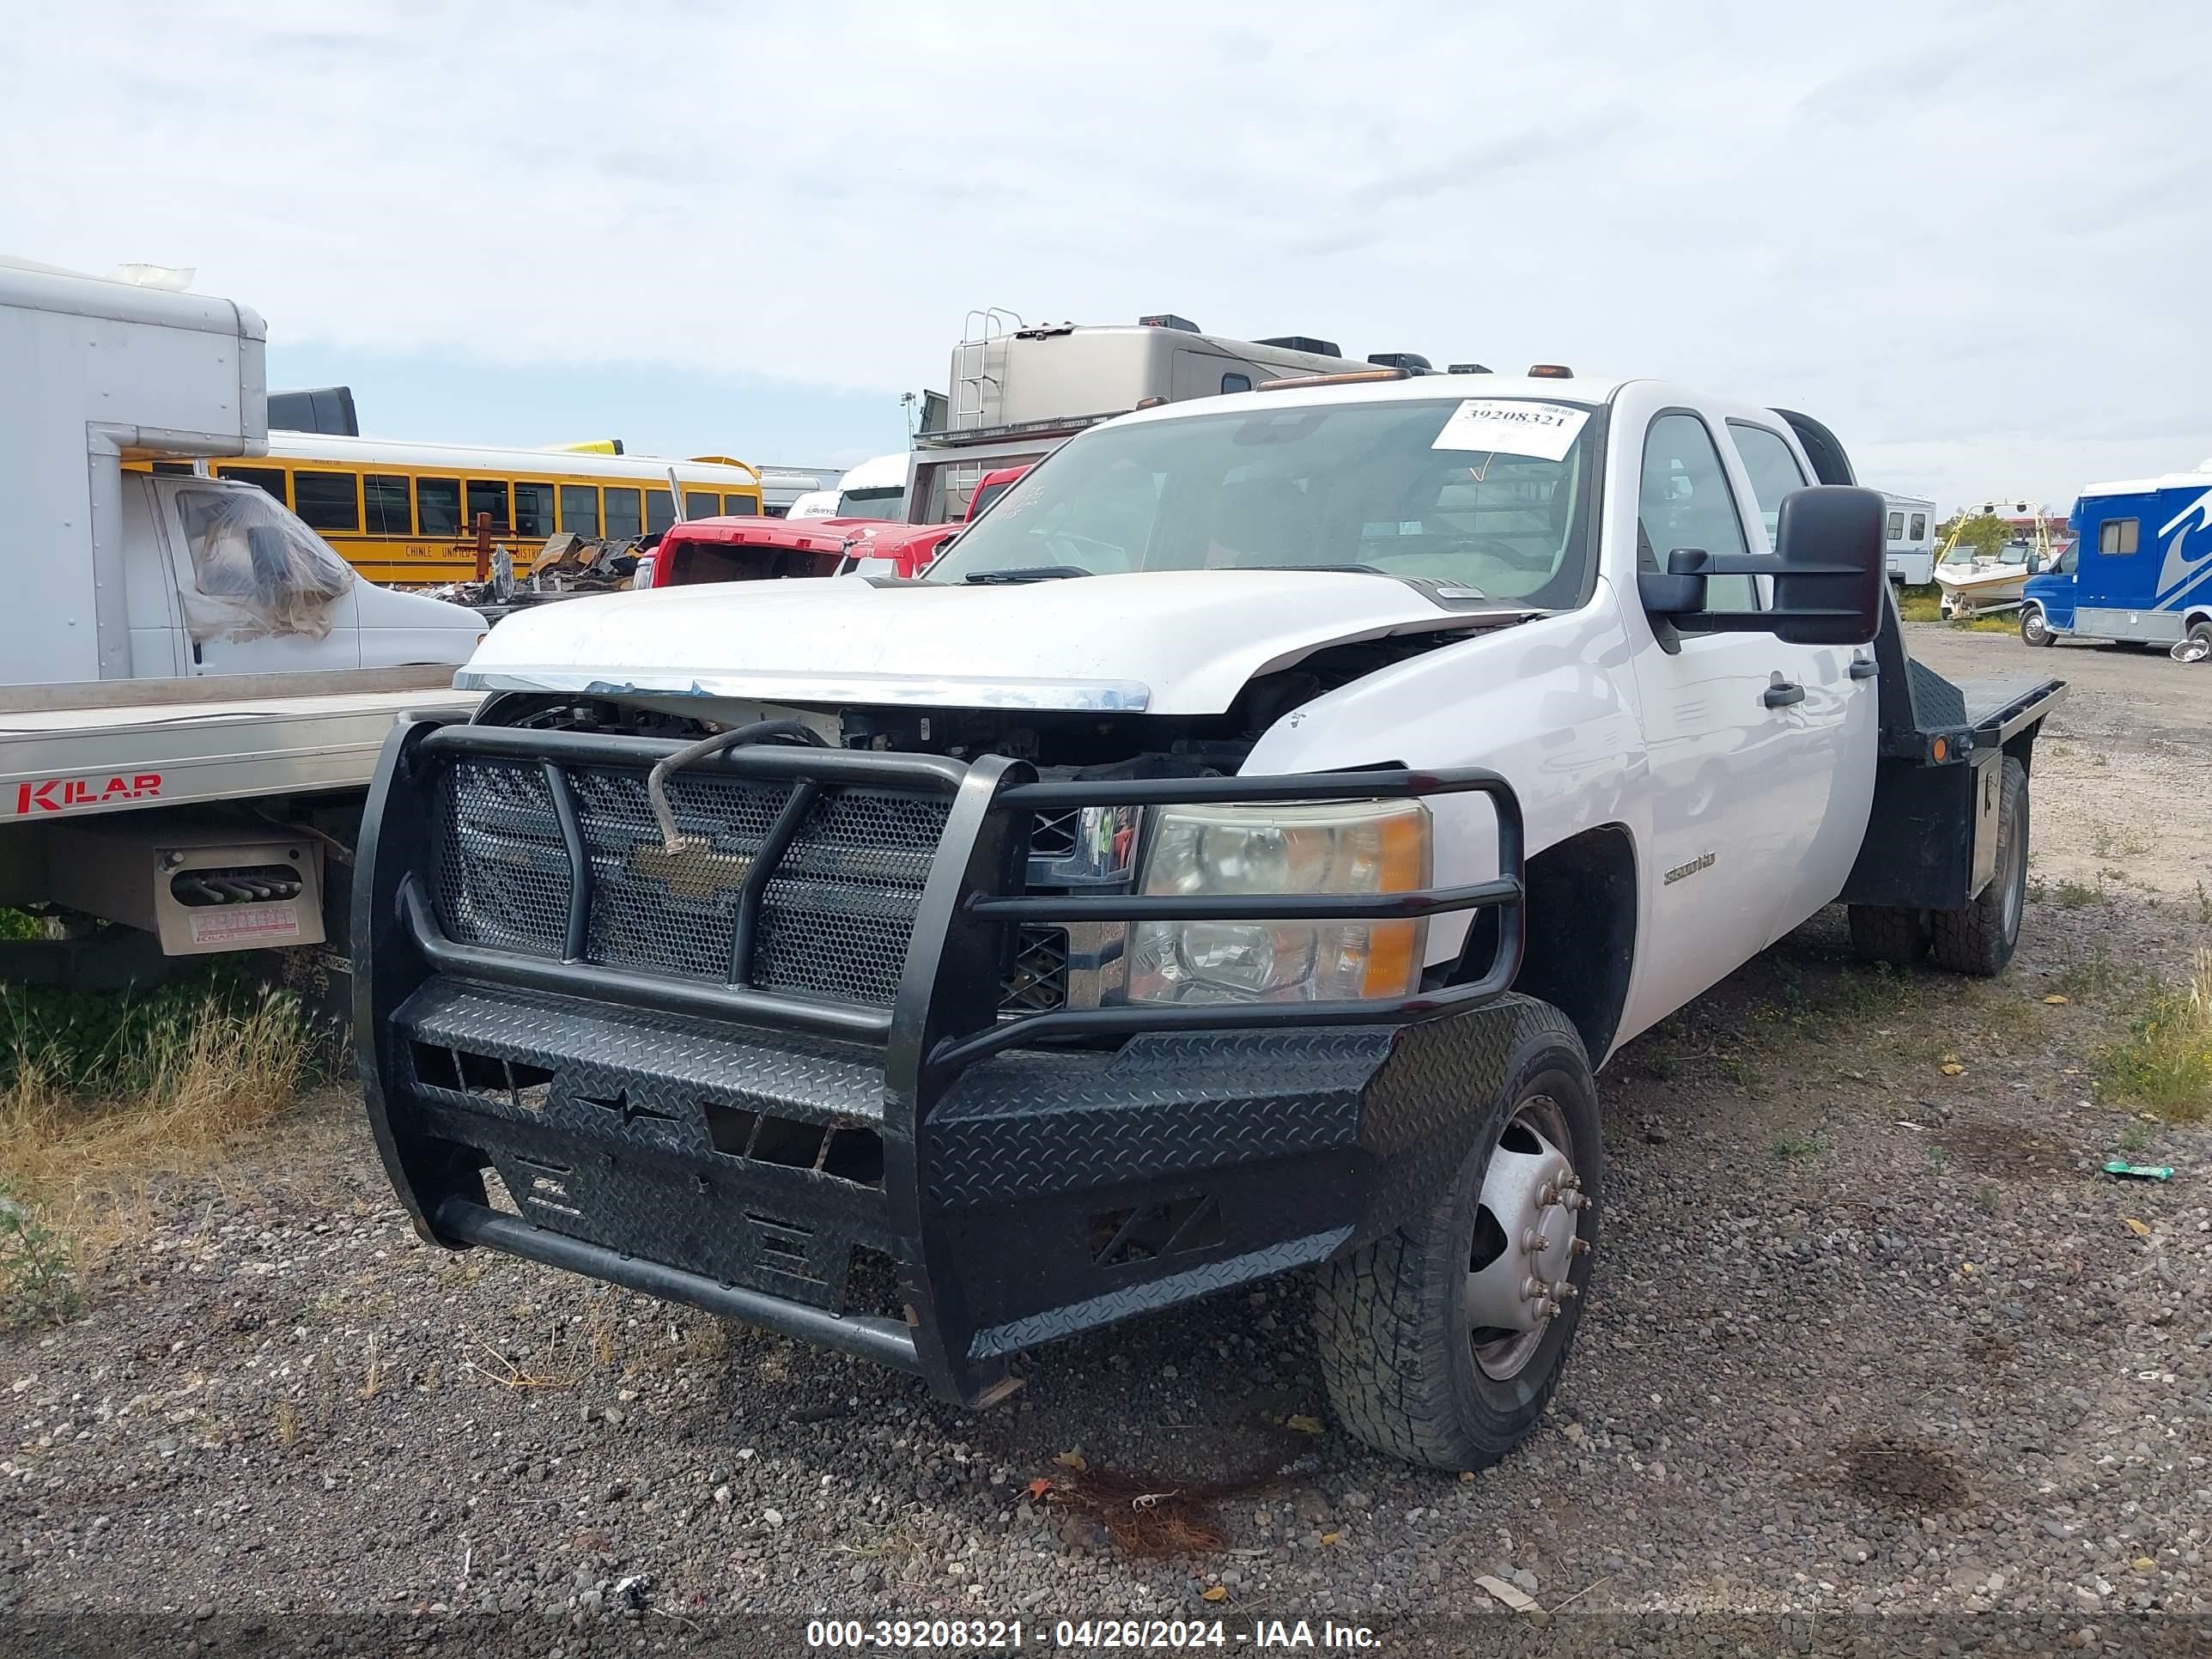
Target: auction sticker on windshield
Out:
[1513,426]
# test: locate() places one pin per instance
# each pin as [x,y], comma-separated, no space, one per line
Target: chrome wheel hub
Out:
[1525,1239]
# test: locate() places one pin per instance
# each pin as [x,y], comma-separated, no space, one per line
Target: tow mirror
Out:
[1828,567]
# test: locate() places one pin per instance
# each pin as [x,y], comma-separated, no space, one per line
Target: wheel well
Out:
[1582,931]
[2192,618]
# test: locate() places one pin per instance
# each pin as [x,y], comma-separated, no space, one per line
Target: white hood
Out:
[1168,642]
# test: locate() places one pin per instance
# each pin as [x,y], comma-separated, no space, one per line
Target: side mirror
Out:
[1828,567]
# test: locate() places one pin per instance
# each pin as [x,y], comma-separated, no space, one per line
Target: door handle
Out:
[1862,668]
[1781,695]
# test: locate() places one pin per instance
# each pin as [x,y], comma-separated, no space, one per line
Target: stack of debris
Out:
[567,566]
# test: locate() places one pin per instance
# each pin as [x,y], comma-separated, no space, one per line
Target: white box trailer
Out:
[194,686]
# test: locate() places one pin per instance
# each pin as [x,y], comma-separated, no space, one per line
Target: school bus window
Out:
[438,506]
[486,496]
[624,523]
[701,504]
[270,478]
[741,506]
[580,509]
[659,511]
[385,494]
[327,501]
[533,509]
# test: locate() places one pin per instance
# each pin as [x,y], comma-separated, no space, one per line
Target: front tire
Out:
[1980,939]
[2034,628]
[1436,1342]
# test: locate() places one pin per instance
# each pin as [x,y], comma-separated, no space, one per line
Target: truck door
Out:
[150,597]
[1727,825]
[1828,776]
[259,593]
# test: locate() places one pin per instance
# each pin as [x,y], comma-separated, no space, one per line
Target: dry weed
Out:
[210,1072]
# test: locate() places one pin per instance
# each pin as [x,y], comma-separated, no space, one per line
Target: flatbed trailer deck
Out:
[123,744]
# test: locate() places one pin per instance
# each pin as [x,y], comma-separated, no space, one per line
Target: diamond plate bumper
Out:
[929,1189]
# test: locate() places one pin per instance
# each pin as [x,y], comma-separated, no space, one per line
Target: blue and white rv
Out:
[2140,568]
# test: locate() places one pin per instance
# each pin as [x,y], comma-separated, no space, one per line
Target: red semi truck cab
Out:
[729,549]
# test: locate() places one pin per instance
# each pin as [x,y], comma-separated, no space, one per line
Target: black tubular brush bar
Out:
[773,847]
[812,771]
[872,1337]
[580,865]
[598,984]
[1248,907]
[926,772]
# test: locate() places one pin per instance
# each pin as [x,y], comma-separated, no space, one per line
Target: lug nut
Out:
[1580,1247]
[1546,1195]
[1575,1201]
[1570,1179]
[1534,1243]
[1564,1291]
[1550,1310]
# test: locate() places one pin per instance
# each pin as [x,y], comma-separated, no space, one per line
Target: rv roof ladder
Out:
[979,382]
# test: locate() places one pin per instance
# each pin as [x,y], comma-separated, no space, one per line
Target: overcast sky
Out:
[1975,238]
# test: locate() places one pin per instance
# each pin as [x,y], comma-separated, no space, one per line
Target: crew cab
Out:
[1235,855]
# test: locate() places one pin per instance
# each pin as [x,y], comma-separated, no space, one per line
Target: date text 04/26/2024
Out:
[1123,1634]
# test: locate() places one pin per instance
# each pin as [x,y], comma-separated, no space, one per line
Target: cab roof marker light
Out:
[1550,372]
[1469,369]
[1354,377]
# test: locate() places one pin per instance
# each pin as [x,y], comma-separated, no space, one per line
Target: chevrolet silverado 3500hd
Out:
[1232,857]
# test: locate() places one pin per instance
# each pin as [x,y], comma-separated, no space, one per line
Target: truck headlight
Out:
[1355,846]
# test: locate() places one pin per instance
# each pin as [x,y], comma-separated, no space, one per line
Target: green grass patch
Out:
[2164,1063]
[1788,1146]
[38,1269]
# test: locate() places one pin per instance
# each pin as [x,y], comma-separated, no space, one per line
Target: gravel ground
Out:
[1867,1336]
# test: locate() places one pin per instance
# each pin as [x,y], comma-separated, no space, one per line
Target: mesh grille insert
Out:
[501,867]
[834,922]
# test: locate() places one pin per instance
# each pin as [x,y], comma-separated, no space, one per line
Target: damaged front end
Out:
[845,1047]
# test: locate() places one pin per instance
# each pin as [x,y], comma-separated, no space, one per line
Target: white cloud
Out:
[1973,238]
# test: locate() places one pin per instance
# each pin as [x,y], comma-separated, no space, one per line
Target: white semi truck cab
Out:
[1236,854]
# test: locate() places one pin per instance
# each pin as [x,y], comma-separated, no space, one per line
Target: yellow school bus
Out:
[404,514]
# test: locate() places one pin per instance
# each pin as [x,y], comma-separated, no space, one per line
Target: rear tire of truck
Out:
[1980,939]
[1888,933]
[1430,1344]
[2033,629]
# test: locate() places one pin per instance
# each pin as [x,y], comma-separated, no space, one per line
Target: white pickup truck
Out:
[1235,855]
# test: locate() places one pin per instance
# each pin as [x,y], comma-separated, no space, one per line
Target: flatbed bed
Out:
[120,745]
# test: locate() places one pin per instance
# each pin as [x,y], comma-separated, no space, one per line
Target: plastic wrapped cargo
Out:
[257,570]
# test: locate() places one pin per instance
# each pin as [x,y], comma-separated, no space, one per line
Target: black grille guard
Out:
[946,1015]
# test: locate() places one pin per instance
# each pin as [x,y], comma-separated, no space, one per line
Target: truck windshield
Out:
[889,502]
[1392,486]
